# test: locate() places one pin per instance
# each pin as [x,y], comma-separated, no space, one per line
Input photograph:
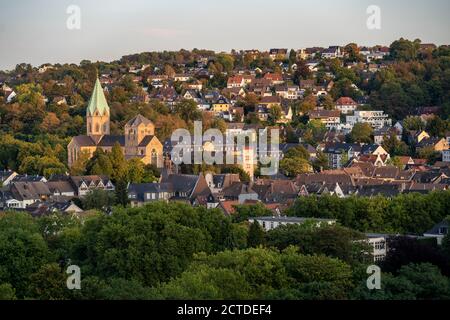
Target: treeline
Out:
[175,251]
[406,213]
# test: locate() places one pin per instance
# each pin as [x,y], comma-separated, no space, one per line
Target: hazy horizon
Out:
[35,32]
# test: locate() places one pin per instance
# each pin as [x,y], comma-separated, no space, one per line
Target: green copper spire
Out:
[98,100]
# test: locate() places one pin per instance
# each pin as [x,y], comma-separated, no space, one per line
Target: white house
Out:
[346,105]
[377,119]
[379,244]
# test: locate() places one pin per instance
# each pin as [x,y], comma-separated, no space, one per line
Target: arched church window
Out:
[97,128]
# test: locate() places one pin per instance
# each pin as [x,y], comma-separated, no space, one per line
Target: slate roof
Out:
[182,182]
[441,226]
[387,190]
[85,141]
[140,189]
[110,141]
[236,189]
[146,141]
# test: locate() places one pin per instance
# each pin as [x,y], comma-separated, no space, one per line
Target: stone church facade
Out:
[139,140]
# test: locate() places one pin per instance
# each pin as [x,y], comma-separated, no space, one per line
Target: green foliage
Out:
[7,292]
[98,199]
[49,283]
[333,241]
[255,235]
[22,250]
[153,243]
[413,282]
[406,213]
[361,133]
[244,212]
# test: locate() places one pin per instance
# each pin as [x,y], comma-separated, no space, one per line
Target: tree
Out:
[49,283]
[297,152]
[136,171]
[121,193]
[188,111]
[78,168]
[394,146]
[413,123]
[403,251]
[50,122]
[100,164]
[98,199]
[308,104]
[405,50]
[118,162]
[206,282]
[255,235]
[321,162]
[275,114]
[244,212]
[413,282]
[295,166]
[22,250]
[332,241]
[352,52]
[361,133]
[7,292]
[30,93]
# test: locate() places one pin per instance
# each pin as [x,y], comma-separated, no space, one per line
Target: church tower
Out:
[97,113]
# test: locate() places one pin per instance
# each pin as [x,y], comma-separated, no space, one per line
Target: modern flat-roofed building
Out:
[377,119]
[270,223]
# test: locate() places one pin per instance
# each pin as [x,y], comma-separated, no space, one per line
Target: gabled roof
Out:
[443,225]
[182,182]
[110,141]
[140,189]
[139,119]
[146,141]
[98,100]
[85,141]
[29,190]
[343,101]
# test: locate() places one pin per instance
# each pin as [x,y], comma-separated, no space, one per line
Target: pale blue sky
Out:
[34,31]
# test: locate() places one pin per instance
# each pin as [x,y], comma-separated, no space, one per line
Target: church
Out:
[139,140]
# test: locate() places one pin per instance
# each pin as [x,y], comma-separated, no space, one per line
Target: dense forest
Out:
[175,251]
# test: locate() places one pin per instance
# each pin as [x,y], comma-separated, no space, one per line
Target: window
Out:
[443,230]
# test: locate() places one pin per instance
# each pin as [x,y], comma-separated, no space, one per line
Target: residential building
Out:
[270,223]
[439,231]
[330,118]
[346,105]
[141,193]
[377,119]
